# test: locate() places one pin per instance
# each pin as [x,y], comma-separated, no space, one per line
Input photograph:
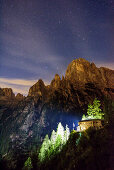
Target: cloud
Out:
[107,65]
[23,90]
[18,85]
[17,81]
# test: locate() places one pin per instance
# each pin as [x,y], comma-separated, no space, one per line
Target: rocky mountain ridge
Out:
[24,121]
[8,93]
[80,75]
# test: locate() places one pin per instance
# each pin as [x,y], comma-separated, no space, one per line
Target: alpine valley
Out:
[24,121]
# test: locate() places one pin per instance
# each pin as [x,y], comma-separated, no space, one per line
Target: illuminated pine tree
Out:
[94,111]
[84,117]
[44,149]
[53,137]
[60,131]
[28,164]
[90,110]
[67,133]
[51,150]
[50,147]
[58,144]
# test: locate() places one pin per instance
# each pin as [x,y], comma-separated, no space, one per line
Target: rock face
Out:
[8,92]
[38,89]
[19,96]
[82,71]
[82,78]
[107,76]
[1,92]
[83,82]
[55,83]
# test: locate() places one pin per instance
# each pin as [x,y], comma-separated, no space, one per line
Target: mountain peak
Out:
[40,82]
[82,71]
[57,77]
[38,89]
[79,72]
[8,92]
[19,96]
[55,83]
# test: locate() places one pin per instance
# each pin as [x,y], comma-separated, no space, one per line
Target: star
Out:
[60,22]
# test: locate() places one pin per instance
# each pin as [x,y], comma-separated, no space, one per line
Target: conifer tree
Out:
[94,111]
[28,164]
[60,131]
[53,137]
[44,149]
[58,144]
[52,146]
[67,133]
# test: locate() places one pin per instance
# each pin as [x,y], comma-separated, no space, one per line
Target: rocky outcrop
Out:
[8,92]
[1,92]
[38,89]
[82,72]
[107,76]
[19,96]
[56,82]
[83,82]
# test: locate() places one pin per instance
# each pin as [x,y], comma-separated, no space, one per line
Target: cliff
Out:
[83,82]
[82,72]
[38,89]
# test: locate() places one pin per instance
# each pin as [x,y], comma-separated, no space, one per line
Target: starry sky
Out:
[39,38]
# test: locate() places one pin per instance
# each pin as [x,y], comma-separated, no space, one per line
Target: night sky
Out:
[39,38]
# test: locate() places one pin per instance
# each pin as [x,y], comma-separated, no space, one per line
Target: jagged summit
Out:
[57,77]
[7,92]
[82,71]
[78,72]
[55,83]
[37,89]
[19,96]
